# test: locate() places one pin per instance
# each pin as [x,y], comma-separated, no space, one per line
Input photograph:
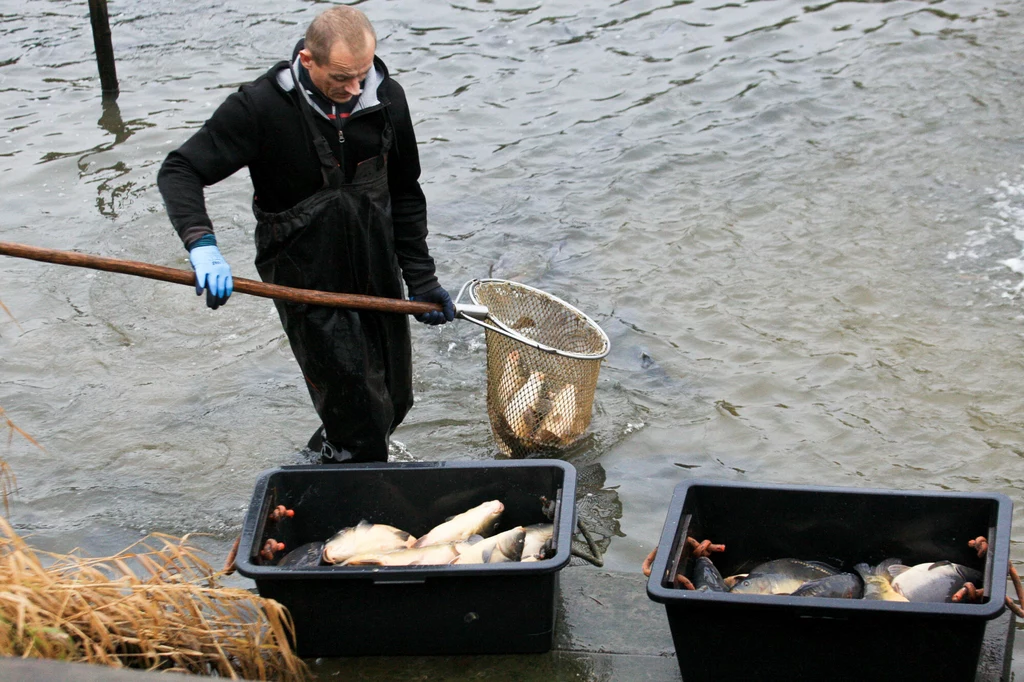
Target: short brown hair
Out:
[338,23]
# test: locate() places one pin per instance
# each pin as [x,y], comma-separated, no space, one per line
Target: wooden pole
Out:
[246,286]
[104,47]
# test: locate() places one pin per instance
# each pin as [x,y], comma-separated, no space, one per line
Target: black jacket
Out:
[261,126]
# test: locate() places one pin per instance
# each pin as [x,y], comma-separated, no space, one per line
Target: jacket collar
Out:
[288,77]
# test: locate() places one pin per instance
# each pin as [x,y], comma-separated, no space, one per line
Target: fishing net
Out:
[543,358]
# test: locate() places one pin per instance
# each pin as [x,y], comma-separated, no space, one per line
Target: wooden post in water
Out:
[104,48]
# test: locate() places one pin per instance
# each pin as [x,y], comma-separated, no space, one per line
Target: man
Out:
[329,143]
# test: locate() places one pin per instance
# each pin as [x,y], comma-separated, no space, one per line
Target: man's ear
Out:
[305,57]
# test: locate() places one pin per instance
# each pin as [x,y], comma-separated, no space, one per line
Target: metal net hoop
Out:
[543,360]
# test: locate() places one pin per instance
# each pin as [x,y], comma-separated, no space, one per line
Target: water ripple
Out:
[798,223]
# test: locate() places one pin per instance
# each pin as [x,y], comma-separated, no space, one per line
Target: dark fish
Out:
[706,577]
[781,576]
[303,557]
[932,582]
[839,586]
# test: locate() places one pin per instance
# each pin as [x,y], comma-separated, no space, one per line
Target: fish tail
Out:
[882,569]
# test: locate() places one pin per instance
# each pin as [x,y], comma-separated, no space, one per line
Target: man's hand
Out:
[212,274]
[440,296]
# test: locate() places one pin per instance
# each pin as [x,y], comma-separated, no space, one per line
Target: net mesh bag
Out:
[539,399]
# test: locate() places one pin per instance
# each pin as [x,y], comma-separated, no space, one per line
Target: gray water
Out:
[799,224]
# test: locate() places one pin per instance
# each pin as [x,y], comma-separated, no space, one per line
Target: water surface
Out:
[801,226]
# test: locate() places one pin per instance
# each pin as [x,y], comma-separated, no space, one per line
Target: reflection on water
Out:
[111,120]
[798,225]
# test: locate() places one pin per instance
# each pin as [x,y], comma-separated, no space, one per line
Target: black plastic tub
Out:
[423,610]
[723,636]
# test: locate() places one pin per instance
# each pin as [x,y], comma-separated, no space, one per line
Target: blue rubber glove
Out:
[440,296]
[212,274]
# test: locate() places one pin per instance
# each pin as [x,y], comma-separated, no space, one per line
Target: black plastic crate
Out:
[723,636]
[424,610]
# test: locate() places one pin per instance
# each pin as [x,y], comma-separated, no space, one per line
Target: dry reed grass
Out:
[156,606]
[7,480]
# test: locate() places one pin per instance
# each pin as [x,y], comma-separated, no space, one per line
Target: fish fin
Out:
[486,555]
[896,570]
[808,588]
[473,539]
[940,564]
[340,533]
[970,575]
[882,569]
[830,570]
[731,581]
[363,523]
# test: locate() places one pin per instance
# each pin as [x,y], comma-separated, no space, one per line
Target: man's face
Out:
[341,76]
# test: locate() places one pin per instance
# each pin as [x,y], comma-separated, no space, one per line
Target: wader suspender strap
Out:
[329,165]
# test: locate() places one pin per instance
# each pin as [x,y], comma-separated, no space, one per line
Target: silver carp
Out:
[559,425]
[480,520]
[512,378]
[521,411]
[432,555]
[501,548]
[363,538]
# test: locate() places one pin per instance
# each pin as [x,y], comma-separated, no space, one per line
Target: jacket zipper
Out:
[361,112]
[337,122]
